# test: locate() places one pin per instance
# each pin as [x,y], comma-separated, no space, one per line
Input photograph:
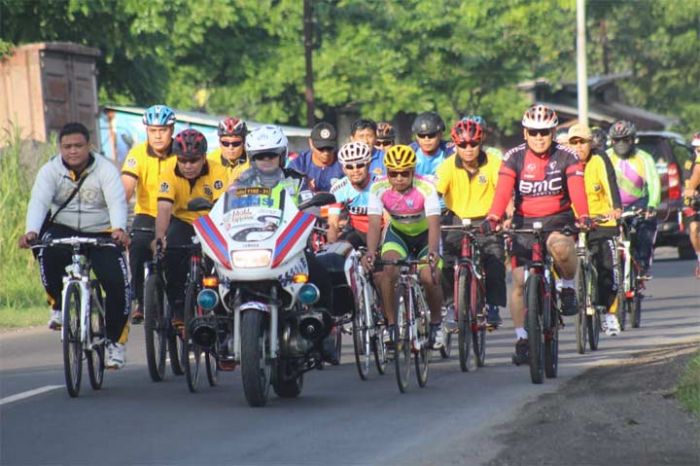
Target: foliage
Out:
[688,390]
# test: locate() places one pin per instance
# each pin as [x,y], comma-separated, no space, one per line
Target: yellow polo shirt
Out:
[146,168]
[598,191]
[468,196]
[233,170]
[175,188]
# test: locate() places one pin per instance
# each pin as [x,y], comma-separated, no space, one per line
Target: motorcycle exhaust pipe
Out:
[203,332]
[315,325]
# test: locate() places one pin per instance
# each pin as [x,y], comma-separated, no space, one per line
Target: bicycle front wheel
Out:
[191,352]
[402,345]
[582,298]
[155,327]
[477,315]
[361,323]
[422,351]
[464,323]
[96,356]
[533,304]
[72,346]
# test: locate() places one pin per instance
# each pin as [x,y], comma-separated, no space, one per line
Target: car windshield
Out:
[252,214]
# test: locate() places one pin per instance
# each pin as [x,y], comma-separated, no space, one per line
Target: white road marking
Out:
[28,394]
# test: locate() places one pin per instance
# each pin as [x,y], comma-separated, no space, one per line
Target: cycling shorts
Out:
[406,246]
[521,244]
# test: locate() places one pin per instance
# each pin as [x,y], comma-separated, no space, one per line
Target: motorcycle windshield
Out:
[252,214]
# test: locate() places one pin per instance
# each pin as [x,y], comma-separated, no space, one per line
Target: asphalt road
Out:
[337,420]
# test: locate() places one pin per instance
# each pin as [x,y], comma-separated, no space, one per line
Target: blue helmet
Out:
[159,115]
[478,119]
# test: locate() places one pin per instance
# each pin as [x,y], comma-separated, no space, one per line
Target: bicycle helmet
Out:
[267,139]
[159,115]
[190,144]
[622,129]
[400,157]
[428,123]
[385,131]
[232,126]
[599,139]
[540,117]
[696,140]
[478,119]
[466,131]
[354,152]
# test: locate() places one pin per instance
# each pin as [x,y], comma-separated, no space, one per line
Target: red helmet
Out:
[232,126]
[190,144]
[466,131]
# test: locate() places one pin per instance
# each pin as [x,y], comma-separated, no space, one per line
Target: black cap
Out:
[324,135]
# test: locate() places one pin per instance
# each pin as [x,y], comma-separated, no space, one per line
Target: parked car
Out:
[672,154]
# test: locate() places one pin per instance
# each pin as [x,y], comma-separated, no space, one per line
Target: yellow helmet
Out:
[400,157]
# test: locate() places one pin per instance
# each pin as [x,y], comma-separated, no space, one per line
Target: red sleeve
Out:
[504,191]
[577,189]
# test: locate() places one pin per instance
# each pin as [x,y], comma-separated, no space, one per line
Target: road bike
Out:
[630,293]
[590,314]
[83,333]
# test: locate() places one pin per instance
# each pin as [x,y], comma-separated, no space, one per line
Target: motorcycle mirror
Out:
[199,203]
[319,199]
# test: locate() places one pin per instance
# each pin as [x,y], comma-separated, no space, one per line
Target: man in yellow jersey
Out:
[188,176]
[140,173]
[603,201]
[467,183]
[231,153]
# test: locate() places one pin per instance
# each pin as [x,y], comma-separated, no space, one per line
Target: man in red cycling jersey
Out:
[547,178]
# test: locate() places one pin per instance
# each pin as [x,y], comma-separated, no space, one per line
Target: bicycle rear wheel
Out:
[477,305]
[72,346]
[402,346]
[191,352]
[582,299]
[155,327]
[422,353]
[379,349]
[636,308]
[464,324]
[96,357]
[361,323]
[448,315]
[533,305]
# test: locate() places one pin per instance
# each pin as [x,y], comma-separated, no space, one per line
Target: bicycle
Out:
[630,294]
[162,339]
[83,331]
[412,322]
[469,298]
[368,327]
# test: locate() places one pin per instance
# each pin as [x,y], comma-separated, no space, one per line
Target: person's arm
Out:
[577,189]
[694,181]
[611,187]
[130,173]
[113,192]
[504,193]
[375,209]
[434,235]
[128,186]
[165,212]
[39,205]
[333,225]
[653,181]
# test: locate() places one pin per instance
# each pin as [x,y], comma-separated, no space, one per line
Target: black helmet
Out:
[427,123]
[622,129]
[598,139]
[190,144]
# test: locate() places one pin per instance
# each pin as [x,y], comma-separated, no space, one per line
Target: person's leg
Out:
[493,260]
[143,231]
[110,268]
[563,251]
[694,233]
[52,266]
[176,266]
[644,244]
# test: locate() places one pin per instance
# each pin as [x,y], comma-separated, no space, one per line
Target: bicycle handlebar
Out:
[74,241]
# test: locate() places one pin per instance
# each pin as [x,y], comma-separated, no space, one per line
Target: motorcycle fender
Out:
[254,306]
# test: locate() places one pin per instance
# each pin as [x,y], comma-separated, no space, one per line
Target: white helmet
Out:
[540,117]
[267,139]
[354,152]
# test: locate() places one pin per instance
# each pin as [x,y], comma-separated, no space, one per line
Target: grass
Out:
[22,299]
[689,387]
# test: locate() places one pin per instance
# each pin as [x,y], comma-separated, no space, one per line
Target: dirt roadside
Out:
[612,415]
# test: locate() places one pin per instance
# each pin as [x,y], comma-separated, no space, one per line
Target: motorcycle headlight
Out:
[252,258]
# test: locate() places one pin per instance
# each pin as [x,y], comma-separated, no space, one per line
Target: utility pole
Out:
[581,74]
[308,57]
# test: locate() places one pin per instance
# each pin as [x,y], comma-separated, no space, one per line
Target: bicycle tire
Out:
[191,352]
[96,357]
[72,346]
[421,355]
[582,301]
[212,368]
[533,308]
[636,310]
[361,323]
[551,341]
[402,346]
[594,323]
[478,322]
[155,327]
[464,324]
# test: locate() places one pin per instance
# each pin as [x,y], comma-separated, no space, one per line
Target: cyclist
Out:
[140,173]
[231,153]
[604,201]
[693,189]
[639,185]
[467,183]
[386,136]
[429,147]
[351,193]
[547,179]
[365,130]
[319,163]
[84,193]
[490,150]
[187,176]
[414,230]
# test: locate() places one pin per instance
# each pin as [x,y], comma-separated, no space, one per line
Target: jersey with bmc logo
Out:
[408,210]
[541,187]
[354,201]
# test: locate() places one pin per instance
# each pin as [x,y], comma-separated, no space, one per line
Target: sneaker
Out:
[567,298]
[436,338]
[137,316]
[391,336]
[522,352]
[494,317]
[116,356]
[55,319]
[612,326]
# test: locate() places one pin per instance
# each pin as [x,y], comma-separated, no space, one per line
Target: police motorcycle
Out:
[256,238]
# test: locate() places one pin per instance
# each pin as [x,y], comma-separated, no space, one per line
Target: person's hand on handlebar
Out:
[368,260]
[158,245]
[26,240]
[650,213]
[121,237]
[585,223]
[490,225]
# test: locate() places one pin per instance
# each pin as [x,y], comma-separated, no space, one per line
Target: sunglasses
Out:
[231,144]
[326,149]
[189,161]
[539,132]
[464,145]
[397,173]
[625,139]
[427,135]
[267,156]
[383,143]
[355,166]
[577,141]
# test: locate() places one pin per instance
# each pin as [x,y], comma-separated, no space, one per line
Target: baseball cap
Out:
[324,135]
[580,131]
